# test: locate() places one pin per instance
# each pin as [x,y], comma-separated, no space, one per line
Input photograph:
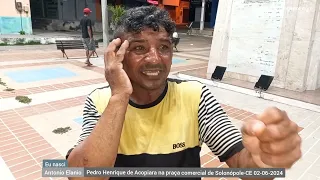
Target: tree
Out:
[117,12]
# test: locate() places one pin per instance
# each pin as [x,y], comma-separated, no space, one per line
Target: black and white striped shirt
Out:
[214,127]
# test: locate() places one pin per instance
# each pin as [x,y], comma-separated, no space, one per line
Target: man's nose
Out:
[153,56]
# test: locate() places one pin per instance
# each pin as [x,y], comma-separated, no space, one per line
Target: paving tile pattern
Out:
[312,97]
[24,55]
[23,148]
[47,88]
[29,64]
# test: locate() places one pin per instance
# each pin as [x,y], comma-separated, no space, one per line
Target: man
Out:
[87,35]
[175,40]
[145,119]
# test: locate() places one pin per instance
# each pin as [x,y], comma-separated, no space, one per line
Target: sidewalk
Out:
[44,37]
[306,98]
[27,135]
[27,130]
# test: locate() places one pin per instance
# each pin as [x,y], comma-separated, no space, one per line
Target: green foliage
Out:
[5,85]
[36,42]
[23,99]
[8,89]
[4,44]
[61,130]
[117,12]
[2,83]
[20,41]
[22,32]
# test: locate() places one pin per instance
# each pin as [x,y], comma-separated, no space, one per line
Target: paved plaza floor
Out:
[58,87]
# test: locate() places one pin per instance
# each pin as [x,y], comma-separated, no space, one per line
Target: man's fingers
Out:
[253,128]
[285,160]
[251,143]
[277,132]
[250,130]
[122,50]
[272,115]
[282,146]
[110,51]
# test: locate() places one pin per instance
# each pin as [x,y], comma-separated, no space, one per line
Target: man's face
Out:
[148,59]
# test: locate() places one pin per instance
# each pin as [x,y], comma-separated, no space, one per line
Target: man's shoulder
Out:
[101,93]
[100,97]
[188,84]
[82,19]
[187,88]
[85,19]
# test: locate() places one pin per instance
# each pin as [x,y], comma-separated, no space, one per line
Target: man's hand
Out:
[272,139]
[115,75]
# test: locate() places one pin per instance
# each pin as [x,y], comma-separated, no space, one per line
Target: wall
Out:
[68,15]
[214,8]
[197,14]
[313,76]
[319,78]
[10,20]
[297,55]
[171,2]
[72,10]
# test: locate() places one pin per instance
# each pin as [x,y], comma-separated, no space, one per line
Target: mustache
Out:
[160,67]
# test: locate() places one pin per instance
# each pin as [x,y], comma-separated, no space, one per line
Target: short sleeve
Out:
[215,128]
[90,119]
[88,22]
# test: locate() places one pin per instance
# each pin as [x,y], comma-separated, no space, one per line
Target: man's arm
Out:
[89,25]
[243,159]
[100,146]
[216,129]
[220,135]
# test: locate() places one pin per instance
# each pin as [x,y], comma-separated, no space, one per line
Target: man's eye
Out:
[139,48]
[164,47]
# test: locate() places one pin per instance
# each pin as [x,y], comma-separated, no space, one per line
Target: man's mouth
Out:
[151,72]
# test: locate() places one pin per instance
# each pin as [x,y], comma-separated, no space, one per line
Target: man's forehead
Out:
[146,34]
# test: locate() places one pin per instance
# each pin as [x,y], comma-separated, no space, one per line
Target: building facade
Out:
[275,38]
[15,17]
[65,15]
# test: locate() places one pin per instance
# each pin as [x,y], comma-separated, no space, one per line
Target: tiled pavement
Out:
[312,97]
[23,148]
[26,132]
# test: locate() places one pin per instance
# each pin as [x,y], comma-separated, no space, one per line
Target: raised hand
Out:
[115,75]
[272,139]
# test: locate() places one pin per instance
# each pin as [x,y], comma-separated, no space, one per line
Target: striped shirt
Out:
[184,117]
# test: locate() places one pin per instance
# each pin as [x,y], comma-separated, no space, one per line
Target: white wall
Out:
[319,78]
[297,62]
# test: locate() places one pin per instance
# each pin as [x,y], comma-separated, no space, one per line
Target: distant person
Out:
[175,35]
[87,35]
[176,40]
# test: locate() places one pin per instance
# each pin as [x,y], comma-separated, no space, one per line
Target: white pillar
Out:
[202,15]
[105,25]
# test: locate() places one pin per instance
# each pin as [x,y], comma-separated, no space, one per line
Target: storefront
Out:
[211,7]
[178,9]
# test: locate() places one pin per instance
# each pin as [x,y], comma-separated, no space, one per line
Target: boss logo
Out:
[179,145]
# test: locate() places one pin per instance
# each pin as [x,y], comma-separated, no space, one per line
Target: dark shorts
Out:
[88,45]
